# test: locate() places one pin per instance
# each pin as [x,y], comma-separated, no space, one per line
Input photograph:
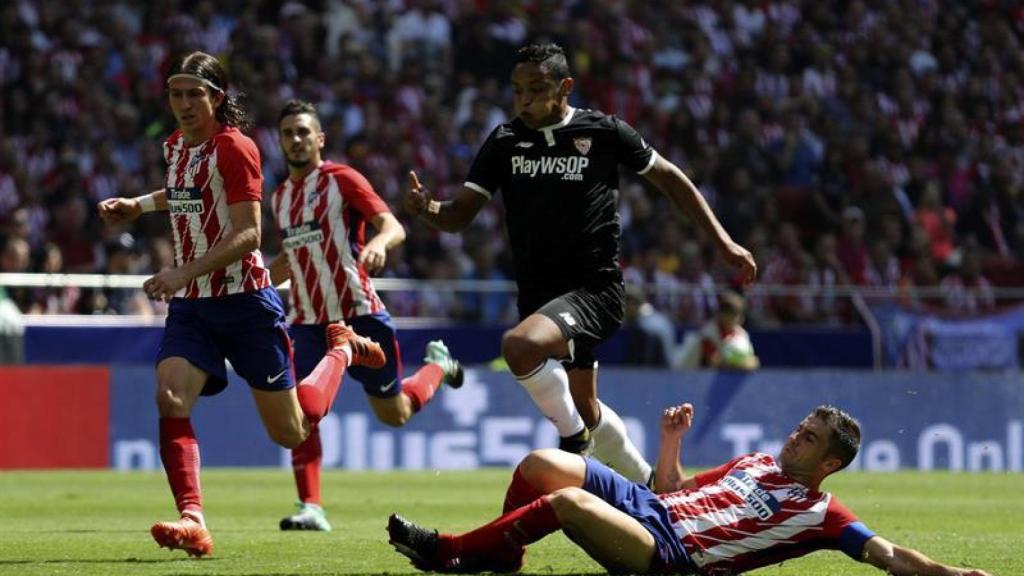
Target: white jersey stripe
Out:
[778,534]
[737,519]
[198,208]
[331,218]
[330,288]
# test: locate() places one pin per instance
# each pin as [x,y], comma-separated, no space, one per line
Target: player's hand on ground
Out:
[117,210]
[742,258]
[374,256]
[677,420]
[418,198]
[164,285]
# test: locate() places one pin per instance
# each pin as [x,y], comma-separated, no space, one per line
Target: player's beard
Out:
[298,163]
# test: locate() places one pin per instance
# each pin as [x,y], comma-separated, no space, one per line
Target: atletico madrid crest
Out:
[582,144]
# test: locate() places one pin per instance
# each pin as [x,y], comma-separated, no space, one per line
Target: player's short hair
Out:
[208,69]
[845,440]
[294,107]
[731,302]
[549,57]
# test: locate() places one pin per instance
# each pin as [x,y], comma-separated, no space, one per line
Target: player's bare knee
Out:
[536,464]
[568,503]
[391,412]
[520,352]
[169,401]
[289,437]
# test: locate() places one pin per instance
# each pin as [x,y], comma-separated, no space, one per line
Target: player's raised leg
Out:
[395,405]
[395,400]
[316,392]
[531,349]
[179,384]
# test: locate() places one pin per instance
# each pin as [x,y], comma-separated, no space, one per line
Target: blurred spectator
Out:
[14,258]
[54,299]
[121,257]
[650,334]
[826,274]
[965,289]
[486,307]
[782,112]
[851,250]
[721,342]
[938,222]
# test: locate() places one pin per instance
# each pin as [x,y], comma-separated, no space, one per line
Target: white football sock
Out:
[613,447]
[548,386]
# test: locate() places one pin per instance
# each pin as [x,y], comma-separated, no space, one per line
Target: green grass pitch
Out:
[98,522]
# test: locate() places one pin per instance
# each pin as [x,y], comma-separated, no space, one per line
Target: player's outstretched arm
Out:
[901,561]
[118,210]
[672,182]
[448,216]
[668,472]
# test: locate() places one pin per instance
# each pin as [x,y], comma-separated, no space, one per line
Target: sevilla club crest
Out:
[582,144]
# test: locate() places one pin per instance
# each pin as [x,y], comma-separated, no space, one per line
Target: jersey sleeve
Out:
[851,533]
[355,188]
[238,161]
[485,175]
[717,473]
[633,151]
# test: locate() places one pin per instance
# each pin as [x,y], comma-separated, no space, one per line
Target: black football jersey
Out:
[559,185]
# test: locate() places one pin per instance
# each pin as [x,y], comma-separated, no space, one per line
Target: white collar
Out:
[548,130]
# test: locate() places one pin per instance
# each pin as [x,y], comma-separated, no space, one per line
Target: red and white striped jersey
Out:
[202,181]
[322,219]
[746,514]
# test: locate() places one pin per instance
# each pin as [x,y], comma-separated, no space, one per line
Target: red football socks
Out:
[180,454]
[505,537]
[317,391]
[306,467]
[420,387]
[519,493]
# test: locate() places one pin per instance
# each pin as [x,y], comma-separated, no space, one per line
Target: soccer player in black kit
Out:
[557,170]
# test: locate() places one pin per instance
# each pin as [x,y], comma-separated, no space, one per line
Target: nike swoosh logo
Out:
[389,386]
[275,378]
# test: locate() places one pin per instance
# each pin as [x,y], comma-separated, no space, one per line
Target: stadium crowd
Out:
[870,142]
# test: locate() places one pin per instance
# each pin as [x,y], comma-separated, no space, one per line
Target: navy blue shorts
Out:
[246,329]
[642,505]
[311,345]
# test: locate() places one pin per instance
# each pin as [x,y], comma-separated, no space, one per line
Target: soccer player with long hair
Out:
[221,303]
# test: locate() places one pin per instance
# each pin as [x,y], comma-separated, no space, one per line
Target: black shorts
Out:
[587,315]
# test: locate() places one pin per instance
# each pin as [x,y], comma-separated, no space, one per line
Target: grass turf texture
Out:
[98,522]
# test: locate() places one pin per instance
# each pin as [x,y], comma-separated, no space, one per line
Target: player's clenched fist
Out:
[115,210]
[677,420]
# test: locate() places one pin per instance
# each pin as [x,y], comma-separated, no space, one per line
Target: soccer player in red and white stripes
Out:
[322,211]
[222,306]
[750,512]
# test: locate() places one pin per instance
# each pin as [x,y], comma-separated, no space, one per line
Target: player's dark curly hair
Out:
[548,56]
[294,107]
[207,67]
[845,440]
